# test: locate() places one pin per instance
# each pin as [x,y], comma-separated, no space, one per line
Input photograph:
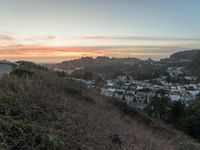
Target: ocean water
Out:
[155,53]
[4,69]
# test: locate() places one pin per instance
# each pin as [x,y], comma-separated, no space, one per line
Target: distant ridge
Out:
[94,62]
[187,54]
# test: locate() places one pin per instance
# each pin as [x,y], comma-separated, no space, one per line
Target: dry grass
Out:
[47,112]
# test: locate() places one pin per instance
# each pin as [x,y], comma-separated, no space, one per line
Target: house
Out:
[129,97]
[192,89]
[142,97]
[174,72]
[174,97]
[119,93]
[107,92]
[109,84]
[125,78]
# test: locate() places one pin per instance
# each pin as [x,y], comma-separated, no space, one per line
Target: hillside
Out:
[188,54]
[194,66]
[193,55]
[98,61]
[40,110]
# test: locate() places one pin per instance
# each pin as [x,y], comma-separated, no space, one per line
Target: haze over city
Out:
[53,31]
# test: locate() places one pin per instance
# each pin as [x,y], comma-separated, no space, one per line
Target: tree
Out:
[191,119]
[177,110]
[183,118]
[162,92]
[99,82]
[22,72]
[158,107]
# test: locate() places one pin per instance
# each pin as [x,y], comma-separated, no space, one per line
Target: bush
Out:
[25,136]
[191,120]
[30,65]
[188,146]
[124,107]
[22,72]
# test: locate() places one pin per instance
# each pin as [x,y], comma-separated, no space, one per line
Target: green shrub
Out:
[22,72]
[188,146]
[124,107]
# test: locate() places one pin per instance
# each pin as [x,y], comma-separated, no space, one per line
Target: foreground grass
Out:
[43,111]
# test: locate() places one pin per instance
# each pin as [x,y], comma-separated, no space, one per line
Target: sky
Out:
[57,30]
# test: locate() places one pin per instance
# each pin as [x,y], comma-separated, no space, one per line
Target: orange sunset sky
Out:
[53,31]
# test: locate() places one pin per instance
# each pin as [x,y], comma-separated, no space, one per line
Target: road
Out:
[17,66]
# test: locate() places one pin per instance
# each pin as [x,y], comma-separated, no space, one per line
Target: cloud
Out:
[146,38]
[38,47]
[40,38]
[42,51]
[7,37]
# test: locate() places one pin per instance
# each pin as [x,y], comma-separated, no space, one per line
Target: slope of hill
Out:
[98,61]
[192,67]
[188,54]
[43,111]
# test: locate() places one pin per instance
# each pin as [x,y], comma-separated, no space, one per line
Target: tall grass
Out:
[45,111]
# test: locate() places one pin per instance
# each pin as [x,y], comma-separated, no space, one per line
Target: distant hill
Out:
[110,68]
[187,54]
[193,67]
[98,61]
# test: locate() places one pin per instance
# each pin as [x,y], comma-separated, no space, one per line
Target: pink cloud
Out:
[7,37]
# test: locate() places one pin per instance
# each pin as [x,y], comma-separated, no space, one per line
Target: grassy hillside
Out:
[43,111]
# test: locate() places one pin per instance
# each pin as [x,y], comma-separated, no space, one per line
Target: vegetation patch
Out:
[24,136]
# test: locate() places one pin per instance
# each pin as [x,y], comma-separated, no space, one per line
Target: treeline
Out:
[137,71]
[186,119]
[92,62]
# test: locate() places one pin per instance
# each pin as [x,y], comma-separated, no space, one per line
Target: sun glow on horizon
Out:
[68,29]
[40,47]
[57,54]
